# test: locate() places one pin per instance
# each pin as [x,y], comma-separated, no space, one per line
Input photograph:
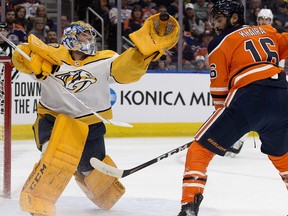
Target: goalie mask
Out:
[80,36]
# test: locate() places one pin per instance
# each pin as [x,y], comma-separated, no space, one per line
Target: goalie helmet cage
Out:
[5,126]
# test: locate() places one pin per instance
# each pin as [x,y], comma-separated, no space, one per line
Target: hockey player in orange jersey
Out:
[249,92]
[264,17]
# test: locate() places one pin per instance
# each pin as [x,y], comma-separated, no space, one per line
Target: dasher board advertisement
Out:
[157,97]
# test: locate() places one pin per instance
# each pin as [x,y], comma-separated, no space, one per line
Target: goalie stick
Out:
[121,173]
[108,121]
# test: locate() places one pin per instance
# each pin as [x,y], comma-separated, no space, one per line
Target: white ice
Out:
[246,185]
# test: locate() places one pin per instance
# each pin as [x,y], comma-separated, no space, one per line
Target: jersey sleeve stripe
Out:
[219,89]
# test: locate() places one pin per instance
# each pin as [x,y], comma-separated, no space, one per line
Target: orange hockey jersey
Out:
[242,55]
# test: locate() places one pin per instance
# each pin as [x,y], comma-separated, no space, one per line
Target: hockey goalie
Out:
[66,132]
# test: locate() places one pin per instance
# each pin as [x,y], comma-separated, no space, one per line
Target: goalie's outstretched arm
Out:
[159,33]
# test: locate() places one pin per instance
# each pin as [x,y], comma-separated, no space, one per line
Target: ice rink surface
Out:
[247,185]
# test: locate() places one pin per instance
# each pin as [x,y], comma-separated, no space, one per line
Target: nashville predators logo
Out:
[77,81]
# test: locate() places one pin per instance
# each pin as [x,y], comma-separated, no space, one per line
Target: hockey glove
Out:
[41,67]
[156,36]
[20,62]
[43,50]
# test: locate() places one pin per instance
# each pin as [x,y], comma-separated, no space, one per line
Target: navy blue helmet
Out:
[228,8]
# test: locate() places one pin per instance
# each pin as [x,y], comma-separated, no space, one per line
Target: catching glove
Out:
[156,35]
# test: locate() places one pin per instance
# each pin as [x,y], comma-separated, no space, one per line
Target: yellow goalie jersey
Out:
[88,80]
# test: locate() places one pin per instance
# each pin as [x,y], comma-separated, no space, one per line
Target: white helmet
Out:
[265,13]
[70,38]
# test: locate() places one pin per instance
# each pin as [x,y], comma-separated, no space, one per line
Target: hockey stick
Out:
[121,173]
[108,121]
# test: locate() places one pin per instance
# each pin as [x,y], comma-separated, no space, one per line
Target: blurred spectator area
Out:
[196,31]
[51,7]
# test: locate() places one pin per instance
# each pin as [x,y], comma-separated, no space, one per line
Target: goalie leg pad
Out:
[103,190]
[56,167]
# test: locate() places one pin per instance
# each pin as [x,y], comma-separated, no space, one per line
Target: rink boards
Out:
[162,103]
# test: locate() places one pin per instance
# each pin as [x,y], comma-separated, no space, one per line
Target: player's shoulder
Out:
[105,54]
[238,33]
[100,55]
[221,37]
